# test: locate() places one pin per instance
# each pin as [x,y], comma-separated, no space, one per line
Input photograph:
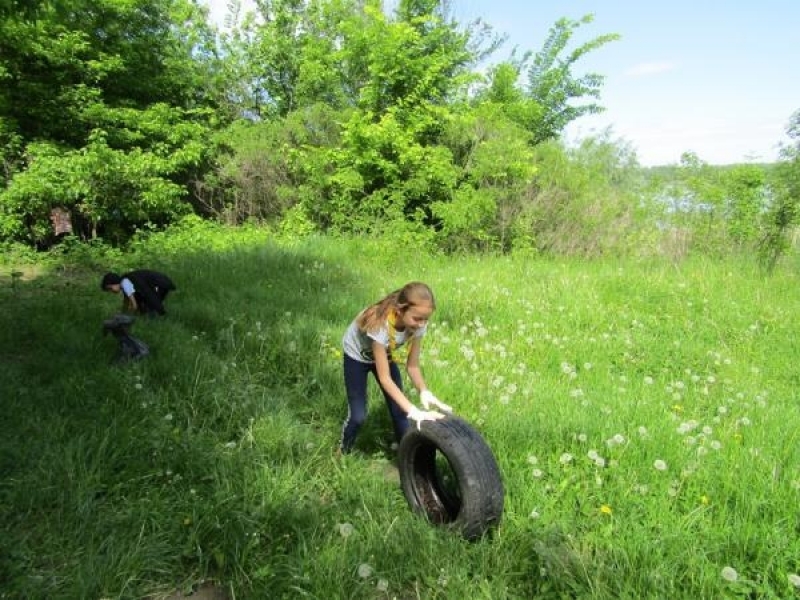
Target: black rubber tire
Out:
[473,503]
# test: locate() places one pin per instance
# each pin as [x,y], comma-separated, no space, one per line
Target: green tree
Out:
[390,165]
[496,165]
[101,93]
[783,213]
[547,101]
[746,201]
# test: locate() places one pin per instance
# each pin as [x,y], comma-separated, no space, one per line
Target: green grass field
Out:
[645,417]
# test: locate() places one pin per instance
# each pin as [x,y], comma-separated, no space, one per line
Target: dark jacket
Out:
[151,289]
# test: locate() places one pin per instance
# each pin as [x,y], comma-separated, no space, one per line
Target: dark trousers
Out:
[355,383]
[144,306]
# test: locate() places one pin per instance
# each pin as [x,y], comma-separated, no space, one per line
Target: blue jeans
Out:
[355,383]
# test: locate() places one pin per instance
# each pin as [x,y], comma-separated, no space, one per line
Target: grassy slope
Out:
[214,456]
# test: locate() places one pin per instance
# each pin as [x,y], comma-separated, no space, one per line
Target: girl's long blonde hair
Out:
[410,294]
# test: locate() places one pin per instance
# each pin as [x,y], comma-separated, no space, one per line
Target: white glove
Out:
[428,399]
[419,416]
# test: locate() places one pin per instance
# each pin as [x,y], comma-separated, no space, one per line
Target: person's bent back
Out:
[143,290]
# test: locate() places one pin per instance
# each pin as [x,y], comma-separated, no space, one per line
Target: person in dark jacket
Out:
[143,291]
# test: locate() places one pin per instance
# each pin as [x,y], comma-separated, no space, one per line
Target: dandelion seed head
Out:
[382,585]
[346,530]
[565,458]
[364,571]
[794,579]
[537,473]
[660,465]
[729,574]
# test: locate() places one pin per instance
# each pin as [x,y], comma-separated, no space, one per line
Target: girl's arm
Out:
[385,377]
[429,401]
[412,365]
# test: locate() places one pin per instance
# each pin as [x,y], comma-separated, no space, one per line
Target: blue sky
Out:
[718,78]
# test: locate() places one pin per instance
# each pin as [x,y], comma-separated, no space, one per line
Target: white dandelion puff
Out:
[660,465]
[346,530]
[729,574]
[364,571]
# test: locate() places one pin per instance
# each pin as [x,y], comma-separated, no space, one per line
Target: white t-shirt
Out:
[127,287]
[357,344]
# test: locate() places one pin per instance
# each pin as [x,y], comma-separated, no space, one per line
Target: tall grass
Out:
[644,416]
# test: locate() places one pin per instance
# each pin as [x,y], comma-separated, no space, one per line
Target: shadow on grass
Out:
[117,478]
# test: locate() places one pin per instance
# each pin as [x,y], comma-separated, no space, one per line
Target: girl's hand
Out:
[428,399]
[419,416]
